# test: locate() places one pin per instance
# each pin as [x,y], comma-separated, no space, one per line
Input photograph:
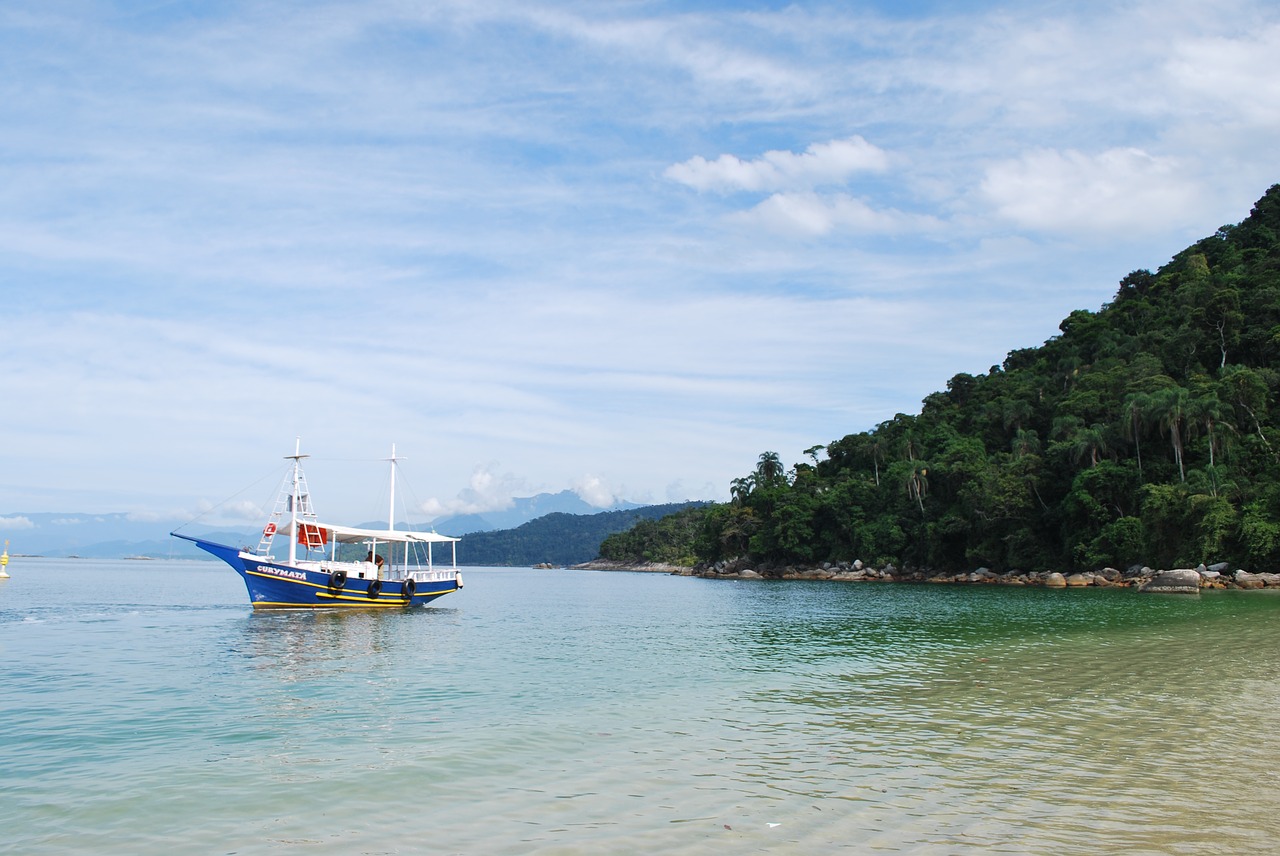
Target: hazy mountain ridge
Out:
[558,538]
[121,535]
[523,510]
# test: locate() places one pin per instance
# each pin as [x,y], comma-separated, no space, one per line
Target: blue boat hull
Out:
[275,586]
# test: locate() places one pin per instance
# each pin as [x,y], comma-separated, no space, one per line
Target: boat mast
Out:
[391,512]
[295,500]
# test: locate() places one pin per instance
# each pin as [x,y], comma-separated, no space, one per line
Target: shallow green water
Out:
[146,709]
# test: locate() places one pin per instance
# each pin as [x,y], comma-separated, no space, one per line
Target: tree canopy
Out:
[1147,431]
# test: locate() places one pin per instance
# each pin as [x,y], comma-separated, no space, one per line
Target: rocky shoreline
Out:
[1144,579]
[645,567]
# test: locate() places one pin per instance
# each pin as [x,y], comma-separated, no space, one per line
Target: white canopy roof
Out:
[352,535]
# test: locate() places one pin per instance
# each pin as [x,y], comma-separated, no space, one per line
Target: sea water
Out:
[146,709]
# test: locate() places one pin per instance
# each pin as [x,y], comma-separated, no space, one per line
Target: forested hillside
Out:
[557,538]
[1147,432]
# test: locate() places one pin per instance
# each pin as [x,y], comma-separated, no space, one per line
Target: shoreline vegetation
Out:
[1171,581]
[1146,435]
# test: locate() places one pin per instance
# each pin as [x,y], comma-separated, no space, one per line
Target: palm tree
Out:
[1025,442]
[918,484]
[1069,367]
[1015,411]
[1135,408]
[1170,407]
[1208,412]
[740,489]
[1090,441]
[769,469]
[1066,426]
[875,448]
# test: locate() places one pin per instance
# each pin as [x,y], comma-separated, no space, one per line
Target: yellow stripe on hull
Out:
[328,598]
[353,603]
[296,582]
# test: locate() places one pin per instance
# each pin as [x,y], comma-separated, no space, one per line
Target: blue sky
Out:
[621,248]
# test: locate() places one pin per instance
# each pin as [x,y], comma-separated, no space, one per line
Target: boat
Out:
[4,561]
[398,571]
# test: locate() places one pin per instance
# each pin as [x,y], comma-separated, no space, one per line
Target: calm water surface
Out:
[145,709]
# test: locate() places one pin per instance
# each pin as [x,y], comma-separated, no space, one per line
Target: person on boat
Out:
[375,559]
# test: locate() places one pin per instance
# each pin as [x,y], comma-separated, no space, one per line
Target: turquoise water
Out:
[145,708]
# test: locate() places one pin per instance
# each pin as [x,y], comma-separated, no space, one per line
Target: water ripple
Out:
[568,712]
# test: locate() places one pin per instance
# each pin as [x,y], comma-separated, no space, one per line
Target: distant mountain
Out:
[104,536]
[120,535]
[523,510]
[558,538]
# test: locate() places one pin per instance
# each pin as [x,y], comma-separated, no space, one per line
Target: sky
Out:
[617,248]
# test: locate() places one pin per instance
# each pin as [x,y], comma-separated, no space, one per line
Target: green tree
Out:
[1089,443]
[769,469]
[1046,460]
[1170,408]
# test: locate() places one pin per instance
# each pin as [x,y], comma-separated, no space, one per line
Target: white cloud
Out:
[832,163]
[594,491]
[147,516]
[814,214]
[453,237]
[488,490]
[16,522]
[1069,191]
[697,46]
[243,511]
[235,512]
[1235,79]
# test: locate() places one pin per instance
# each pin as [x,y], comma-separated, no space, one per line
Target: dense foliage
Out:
[1146,432]
[671,540]
[558,538]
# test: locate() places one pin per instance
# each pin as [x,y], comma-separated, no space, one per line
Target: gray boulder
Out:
[1177,581]
[1246,580]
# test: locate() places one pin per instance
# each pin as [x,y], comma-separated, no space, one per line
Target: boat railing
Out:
[355,570]
[424,574]
[393,573]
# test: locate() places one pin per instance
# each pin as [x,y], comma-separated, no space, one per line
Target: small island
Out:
[1146,435]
